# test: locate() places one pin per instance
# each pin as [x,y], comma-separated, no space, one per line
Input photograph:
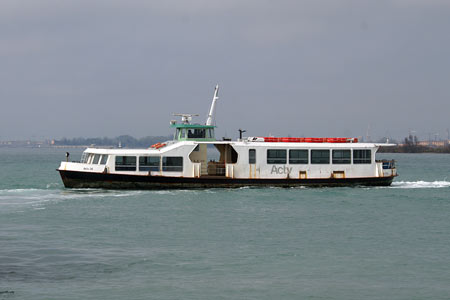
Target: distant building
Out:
[433,143]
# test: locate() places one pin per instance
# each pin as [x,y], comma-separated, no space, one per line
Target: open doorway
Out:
[224,154]
[213,158]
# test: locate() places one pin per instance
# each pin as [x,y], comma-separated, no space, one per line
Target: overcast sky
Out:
[299,68]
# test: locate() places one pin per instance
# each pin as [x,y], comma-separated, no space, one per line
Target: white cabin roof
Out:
[244,143]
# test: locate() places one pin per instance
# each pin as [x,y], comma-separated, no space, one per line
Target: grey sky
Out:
[312,68]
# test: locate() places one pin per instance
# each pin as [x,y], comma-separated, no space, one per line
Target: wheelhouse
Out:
[193,132]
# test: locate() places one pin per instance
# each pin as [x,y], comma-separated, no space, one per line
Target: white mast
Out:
[213,106]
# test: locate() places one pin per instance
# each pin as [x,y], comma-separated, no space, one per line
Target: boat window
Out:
[320,156]
[84,158]
[125,163]
[197,148]
[172,163]
[180,133]
[197,133]
[104,159]
[149,163]
[209,133]
[89,159]
[177,134]
[96,159]
[362,156]
[341,156]
[276,156]
[298,157]
[252,156]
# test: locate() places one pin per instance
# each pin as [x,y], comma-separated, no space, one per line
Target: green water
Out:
[249,243]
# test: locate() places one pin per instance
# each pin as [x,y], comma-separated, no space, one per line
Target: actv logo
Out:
[281,170]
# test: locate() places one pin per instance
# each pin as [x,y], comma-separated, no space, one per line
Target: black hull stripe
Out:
[74,179]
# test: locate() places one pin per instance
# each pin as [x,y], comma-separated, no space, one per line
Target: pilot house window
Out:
[196,133]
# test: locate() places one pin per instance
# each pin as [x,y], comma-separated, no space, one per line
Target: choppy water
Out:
[250,243]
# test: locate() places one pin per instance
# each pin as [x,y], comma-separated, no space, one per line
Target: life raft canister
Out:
[160,146]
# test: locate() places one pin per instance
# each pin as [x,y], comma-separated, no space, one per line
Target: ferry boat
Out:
[184,162]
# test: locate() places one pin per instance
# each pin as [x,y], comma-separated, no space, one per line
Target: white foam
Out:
[19,190]
[54,185]
[420,184]
[37,197]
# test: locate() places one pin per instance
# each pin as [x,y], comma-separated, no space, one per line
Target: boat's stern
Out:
[386,168]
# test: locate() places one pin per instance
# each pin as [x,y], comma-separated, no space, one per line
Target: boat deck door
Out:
[213,158]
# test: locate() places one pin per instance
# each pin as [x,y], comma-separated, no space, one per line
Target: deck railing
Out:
[216,168]
[387,164]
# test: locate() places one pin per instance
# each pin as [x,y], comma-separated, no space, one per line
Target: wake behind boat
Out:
[254,161]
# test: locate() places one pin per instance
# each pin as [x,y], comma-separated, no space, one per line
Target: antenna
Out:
[186,118]
[213,106]
[241,131]
[368,133]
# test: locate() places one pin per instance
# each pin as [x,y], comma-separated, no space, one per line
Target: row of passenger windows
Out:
[279,156]
[274,156]
[149,163]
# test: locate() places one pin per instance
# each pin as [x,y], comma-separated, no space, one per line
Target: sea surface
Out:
[249,243]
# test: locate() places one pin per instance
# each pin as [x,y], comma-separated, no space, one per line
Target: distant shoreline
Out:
[414,149]
[395,149]
[124,141]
